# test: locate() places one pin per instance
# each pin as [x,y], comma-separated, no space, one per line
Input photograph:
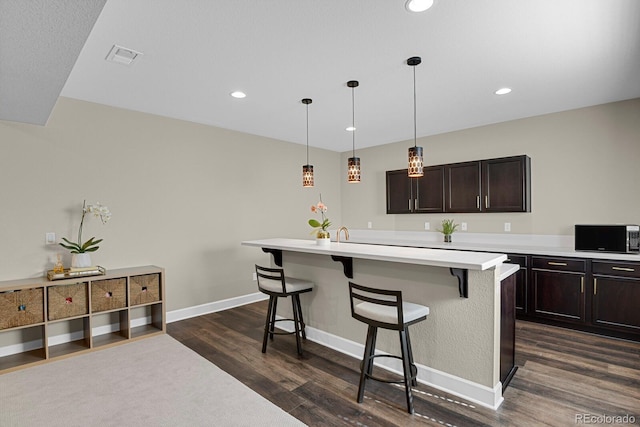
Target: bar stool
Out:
[381,308]
[273,282]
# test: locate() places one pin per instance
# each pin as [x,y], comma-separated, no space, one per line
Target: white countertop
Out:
[410,255]
[524,246]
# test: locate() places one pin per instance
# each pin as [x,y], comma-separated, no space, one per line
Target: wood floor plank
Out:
[561,373]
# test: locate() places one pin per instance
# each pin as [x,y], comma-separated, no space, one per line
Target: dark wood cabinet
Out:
[616,295]
[558,288]
[415,195]
[507,330]
[506,184]
[462,189]
[493,185]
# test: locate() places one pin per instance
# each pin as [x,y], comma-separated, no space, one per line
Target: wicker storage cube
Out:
[20,308]
[144,289]
[67,301]
[108,294]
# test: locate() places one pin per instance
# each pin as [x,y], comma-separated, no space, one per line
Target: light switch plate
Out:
[507,226]
[463,226]
[427,226]
[50,238]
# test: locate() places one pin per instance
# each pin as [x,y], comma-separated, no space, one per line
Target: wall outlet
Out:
[255,276]
[427,226]
[507,226]
[50,238]
[369,224]
[463,226]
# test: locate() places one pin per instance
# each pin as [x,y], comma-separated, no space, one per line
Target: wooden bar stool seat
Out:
[273,282]
[381,308]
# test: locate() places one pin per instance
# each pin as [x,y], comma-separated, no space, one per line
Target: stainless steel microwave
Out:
[607,238]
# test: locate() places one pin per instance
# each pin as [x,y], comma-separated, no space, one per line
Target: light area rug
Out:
[151,382]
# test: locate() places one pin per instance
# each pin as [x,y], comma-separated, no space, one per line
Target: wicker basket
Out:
[108,294]
[20,308]
[67,301]
[144,289]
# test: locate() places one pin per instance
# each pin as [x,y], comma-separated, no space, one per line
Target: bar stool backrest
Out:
[384,301]
[270,279]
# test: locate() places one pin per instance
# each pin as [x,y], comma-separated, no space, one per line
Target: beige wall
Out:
[172,187]
[178,203]
[585,169]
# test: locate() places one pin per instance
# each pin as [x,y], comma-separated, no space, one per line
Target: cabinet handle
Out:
[623,269]
[564,264]
[486,202]
[595,286]
[415,204]
[582,285]
[478,202]
[409,204]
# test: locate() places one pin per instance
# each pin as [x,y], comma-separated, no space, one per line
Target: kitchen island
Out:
[466,344]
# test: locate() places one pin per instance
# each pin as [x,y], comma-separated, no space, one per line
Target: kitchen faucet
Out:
[346,234]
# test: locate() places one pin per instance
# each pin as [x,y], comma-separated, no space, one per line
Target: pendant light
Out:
[307,170]
[415,152]
[353,164]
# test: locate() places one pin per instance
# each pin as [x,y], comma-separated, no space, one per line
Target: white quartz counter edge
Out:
[410,255]
[506,270]
[497,247]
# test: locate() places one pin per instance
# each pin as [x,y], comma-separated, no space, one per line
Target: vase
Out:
[447,238]
[323,238]
[81,260]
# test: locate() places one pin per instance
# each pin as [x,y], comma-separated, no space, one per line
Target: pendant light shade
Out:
[307,170]
[416,161]
[353,164]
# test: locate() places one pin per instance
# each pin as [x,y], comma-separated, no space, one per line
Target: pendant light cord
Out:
[307,133]
[353,120]
[415,132]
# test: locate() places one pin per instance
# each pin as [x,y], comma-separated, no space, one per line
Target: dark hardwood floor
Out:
[562,375]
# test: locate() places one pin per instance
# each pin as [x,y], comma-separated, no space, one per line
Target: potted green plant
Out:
[448,227]
[80,250]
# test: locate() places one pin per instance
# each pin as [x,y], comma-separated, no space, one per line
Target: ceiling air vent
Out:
[122,55]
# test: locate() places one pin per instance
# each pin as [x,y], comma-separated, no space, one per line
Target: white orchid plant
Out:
[91,245]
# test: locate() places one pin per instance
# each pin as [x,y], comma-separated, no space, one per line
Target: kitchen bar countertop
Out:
[402,254]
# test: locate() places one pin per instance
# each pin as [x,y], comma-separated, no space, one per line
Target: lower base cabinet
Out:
[616,295]
[46,320]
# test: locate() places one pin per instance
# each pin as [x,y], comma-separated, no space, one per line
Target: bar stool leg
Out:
[300,318]
[274,310]
[414,381]
[407,370]
[367,361]
[296,323]
[267,324]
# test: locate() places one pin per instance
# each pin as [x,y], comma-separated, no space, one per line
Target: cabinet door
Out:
[462,187]
[558,295]
[430,190]
[399,197]
[616,293]
[615,303]
[505,185]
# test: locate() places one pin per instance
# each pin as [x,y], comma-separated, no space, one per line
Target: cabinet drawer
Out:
[560,264]
[108,294]
[521,260]
[67,301]
[144,289]
[622,269]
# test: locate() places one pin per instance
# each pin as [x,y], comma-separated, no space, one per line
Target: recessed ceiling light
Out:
[418,5]
[238,94]
[503,91]
[350,129]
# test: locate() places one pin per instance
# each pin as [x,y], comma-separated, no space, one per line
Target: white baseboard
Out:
[212,307]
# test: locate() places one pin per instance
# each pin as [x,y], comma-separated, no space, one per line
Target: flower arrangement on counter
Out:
[320,228]
[91,245]
[448,227]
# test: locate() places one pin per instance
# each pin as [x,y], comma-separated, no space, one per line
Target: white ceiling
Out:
[555,55]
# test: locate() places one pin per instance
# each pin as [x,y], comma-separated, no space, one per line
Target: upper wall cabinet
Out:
[493,185]
[415,195]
